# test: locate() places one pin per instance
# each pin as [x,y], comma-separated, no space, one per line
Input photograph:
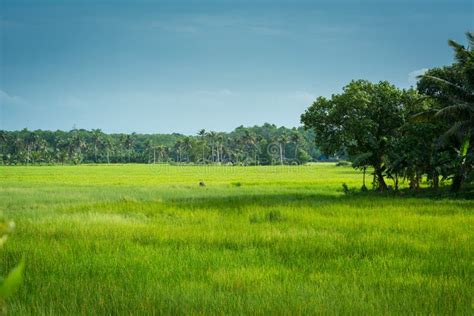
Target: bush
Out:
[343,163]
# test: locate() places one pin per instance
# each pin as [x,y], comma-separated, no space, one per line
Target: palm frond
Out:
[460,52]
[456,109]
[470,39]
[457,128]
[361,160]
[446,82]
[424,116]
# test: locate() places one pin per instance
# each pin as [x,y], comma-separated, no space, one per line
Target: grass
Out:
[147,239]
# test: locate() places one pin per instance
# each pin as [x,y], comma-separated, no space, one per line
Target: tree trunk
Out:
[382,186]
[412,183]
[363,179]
[281,155]
[418,181]
[435,180]
[364,187]
[458,181]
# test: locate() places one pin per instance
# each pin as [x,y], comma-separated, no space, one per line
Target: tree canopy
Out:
[244,146]
[404,134]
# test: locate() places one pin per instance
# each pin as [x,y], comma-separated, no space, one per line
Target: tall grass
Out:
[141,239]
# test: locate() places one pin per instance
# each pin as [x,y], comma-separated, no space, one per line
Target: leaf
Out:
[456,109]
[465,146]
[361,160]
[12,282]
[445,82]
[424,116]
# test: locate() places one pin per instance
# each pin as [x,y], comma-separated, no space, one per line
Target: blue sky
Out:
[178,66]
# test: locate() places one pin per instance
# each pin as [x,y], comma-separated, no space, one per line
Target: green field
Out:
[147,239]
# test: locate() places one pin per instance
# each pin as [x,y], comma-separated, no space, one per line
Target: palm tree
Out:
[178,147]
[219,144]
[108,145]
[151,148]
[127,143]
[30,141]
[187,147]
[296,139]
[162,151]
[18,146]
[282,141]
[96,141]
[3,144]
[77,143]
[202,135]
[458,95]
[249,139]
[212,139]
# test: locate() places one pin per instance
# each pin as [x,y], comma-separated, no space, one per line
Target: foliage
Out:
[404,134]
[453,89]
[10,284]
[363,120]
[258,145]
[147,239]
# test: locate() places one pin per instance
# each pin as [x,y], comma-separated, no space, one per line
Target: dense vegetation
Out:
[404,134]
[258,145]
[147,239]
[401,134]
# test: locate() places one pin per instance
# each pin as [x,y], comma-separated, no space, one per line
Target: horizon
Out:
[151,133]
[177,67]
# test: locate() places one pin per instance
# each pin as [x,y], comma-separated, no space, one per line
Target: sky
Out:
[178,66]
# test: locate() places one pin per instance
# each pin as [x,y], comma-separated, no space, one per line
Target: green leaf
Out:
[465,146]
[12,282]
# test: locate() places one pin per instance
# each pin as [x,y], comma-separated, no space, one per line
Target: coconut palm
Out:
[96,137]
[128,142]
[296,139]
[212,141]
[202,136]
[162,150]
[454,87]
[249,141]
[282,141]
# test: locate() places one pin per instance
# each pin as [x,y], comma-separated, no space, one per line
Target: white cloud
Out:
[413,76]
[10,100]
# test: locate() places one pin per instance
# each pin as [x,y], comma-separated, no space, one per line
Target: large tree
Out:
[362,120]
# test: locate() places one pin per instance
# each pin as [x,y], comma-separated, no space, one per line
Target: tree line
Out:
[258,145]
[404,134]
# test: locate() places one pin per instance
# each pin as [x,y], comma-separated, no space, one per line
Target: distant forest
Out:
[258,145]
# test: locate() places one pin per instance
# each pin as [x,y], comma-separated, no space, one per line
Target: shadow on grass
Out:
[241,201]
[351,198]
[422,193]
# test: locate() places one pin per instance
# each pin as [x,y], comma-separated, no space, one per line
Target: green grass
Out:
[144,239]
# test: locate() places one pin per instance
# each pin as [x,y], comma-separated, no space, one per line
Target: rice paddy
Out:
[148,239]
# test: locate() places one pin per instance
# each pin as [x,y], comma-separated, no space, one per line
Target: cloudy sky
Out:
[178,66]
